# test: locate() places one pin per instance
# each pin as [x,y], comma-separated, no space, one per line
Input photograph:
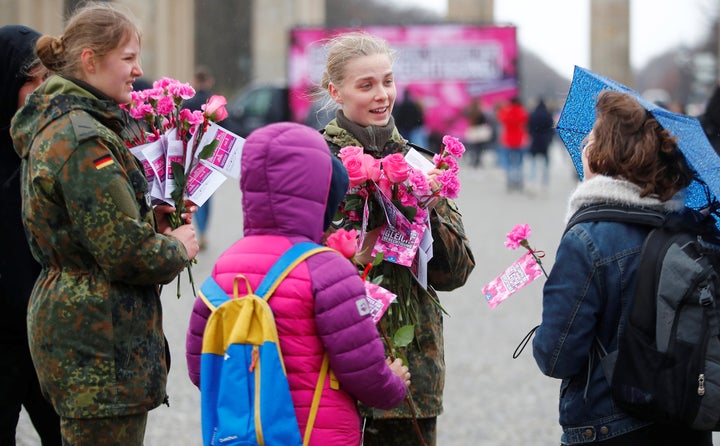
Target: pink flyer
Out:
[378,299]
[400,239]
[516,276]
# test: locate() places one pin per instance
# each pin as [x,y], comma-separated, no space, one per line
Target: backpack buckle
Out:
[706,298]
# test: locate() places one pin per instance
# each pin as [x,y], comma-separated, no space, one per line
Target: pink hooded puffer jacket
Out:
[285,179]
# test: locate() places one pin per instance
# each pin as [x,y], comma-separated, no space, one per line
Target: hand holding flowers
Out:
[168,140]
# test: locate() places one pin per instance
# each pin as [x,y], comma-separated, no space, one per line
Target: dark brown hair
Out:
[629,143]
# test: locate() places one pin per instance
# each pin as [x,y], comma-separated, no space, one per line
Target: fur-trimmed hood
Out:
[608,190]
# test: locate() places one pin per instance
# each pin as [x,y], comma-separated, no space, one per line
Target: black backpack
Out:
[667,365]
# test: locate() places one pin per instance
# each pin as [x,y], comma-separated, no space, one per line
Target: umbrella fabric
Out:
[578,116]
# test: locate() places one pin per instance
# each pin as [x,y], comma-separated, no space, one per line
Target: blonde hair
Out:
[98,26]
[345,47]
[340,50]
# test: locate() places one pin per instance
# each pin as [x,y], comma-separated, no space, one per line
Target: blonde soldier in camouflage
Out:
[359,79]
[94,318]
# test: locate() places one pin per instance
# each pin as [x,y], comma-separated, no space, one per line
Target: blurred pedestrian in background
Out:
[513,119]
[19,387]
[479,134]
[541,128]
[410,120]
[710,119]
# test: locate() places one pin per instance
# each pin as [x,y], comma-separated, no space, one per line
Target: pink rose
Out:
[155,93]
[163,83]
[385,186]
[215,108]
[165,105]
[449,183]
[141,111]
[355,166]
[343,241]
[406,198]
[395,167]
[350,151]
[517,236]
[453,146]
[372,167]
[191,120]
[419,182]
[180,90]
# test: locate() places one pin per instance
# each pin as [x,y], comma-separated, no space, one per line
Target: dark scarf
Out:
[372,138]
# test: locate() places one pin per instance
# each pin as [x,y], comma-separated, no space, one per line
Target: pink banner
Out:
[443,66]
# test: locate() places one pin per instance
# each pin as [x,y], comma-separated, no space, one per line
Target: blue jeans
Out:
[514,168]
[202,216]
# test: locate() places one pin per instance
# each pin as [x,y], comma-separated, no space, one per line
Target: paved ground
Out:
[490,398]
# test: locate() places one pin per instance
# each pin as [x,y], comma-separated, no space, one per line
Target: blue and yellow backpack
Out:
[245,395]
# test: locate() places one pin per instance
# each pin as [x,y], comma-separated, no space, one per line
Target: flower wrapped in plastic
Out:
[388,203]
[185,154]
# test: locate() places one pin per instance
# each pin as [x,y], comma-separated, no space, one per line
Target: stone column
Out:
[45,16]
[471,11]
[271,24]
[610,39]
[168,44]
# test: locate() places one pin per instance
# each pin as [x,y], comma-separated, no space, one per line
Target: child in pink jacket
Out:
[291,187]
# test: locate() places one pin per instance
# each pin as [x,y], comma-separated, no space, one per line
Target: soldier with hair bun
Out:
[94,317]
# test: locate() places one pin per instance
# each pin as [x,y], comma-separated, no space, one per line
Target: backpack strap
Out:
[612,212]
[286,263]
[316,399]
[282,267]
[211,293]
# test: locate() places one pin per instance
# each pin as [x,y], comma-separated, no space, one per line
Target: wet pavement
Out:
[490,398]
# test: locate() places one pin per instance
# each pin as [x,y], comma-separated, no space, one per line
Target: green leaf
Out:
[353,202]
[378,258]
[408,212]
[208,150]
[404,336]
[178,172]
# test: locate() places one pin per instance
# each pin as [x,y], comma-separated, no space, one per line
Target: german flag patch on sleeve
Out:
[103,161]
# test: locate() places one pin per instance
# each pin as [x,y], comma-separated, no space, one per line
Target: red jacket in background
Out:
[513,118]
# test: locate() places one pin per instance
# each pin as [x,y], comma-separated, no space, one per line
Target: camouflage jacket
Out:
[94,318]
[449,268]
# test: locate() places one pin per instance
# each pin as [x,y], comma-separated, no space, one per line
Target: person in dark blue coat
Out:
[19,385]
[541,128]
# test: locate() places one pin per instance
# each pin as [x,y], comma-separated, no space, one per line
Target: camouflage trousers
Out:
[399,432]
[126,430]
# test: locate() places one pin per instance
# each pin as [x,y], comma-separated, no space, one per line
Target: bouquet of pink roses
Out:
[185,154]
[393,195]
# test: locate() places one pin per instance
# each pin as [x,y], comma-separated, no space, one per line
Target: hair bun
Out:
[57,45]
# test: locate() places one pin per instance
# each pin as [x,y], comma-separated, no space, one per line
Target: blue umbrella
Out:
[578,116]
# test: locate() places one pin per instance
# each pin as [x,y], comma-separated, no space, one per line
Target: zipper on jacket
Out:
[256,368]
